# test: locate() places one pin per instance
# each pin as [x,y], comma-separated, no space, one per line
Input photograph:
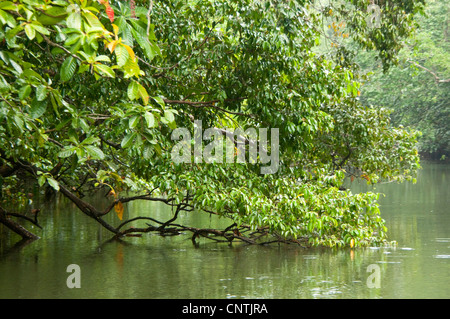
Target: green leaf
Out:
[53,183]
[169,116]
[29,31]
[93,20]
[15,65]
[24,91]
[72,39]
[95,152]
[33,76]
[8,5]
[18,121]
[172,125]
[84,125]
[136,90]
[90,140]
[150,119]
[133,121]
[124,31]
[121,55]
[41,180]
[102,58]
[159,100]
[66,152]
[131,69]
[105,70]
[68,69]
[40,28]
[38,108]
[128,140]
[149,47]
[41,92]
[157,149]
[4,85]
[143,94]
[52,15]
[7,18]
[132,90]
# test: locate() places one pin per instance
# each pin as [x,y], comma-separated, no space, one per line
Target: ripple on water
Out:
[310,257]
[442,256]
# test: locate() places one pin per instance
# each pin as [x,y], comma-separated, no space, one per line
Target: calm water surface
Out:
[417,216]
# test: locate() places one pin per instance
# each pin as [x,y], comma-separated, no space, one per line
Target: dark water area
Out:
[417,217]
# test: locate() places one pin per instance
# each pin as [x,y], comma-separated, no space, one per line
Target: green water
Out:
[417,215]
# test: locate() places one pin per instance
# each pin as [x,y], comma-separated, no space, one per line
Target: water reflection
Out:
[171,267]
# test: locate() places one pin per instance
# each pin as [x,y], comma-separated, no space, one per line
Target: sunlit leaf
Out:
[150,119]
[105,70]
[30,32]
[53,183]
[41,92]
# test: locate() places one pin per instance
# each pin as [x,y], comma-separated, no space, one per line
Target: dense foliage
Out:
[92,90]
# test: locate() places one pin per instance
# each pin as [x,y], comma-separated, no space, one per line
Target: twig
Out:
[61,47]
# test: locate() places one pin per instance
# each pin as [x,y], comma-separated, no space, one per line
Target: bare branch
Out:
[437,79]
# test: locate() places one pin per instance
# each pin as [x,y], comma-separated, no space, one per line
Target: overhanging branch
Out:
[14,226]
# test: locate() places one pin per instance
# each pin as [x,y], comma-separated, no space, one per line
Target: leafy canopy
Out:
[91,91]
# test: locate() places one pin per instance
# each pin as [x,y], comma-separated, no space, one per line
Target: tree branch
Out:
[199,104]
[14,226]
[437,79]
[61,47]
[33,221]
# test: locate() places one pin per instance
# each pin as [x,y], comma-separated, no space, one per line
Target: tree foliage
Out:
[92,90]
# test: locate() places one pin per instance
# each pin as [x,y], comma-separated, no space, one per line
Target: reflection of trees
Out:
[170,267]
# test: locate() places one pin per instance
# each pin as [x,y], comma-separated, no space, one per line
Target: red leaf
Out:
[110,13]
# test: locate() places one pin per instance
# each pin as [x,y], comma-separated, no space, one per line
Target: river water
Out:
[417,216]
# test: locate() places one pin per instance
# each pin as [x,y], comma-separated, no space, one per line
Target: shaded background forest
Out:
[417,89]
